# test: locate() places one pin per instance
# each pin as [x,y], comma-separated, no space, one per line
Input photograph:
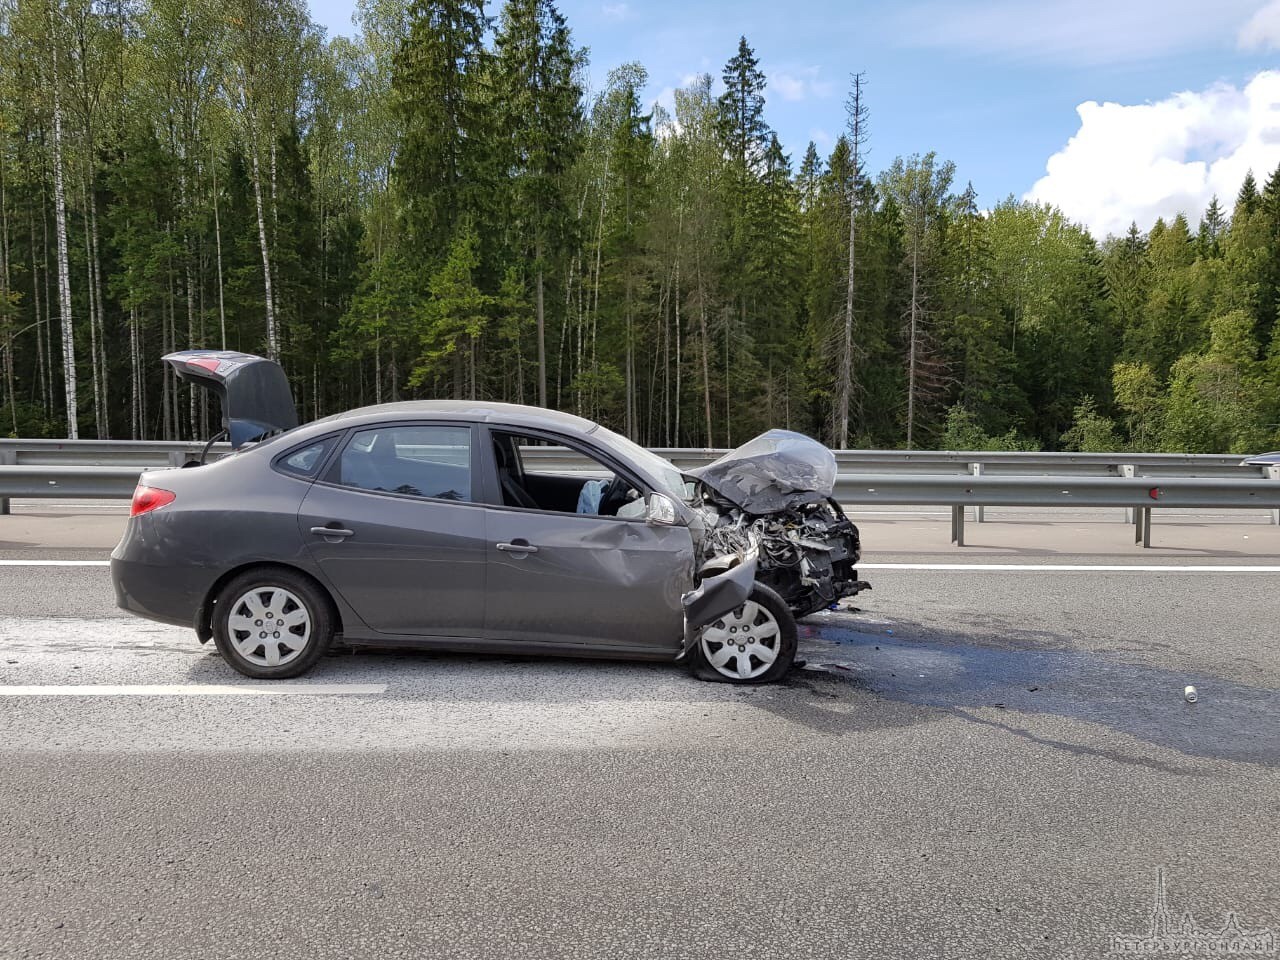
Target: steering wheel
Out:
[614,496]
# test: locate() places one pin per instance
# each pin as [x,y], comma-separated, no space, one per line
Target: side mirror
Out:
[660,510]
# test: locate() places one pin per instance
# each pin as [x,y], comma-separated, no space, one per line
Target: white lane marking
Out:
[194,690]
[1070,567]
[55,563]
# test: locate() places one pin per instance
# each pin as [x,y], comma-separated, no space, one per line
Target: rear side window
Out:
[426,461]
[305,461]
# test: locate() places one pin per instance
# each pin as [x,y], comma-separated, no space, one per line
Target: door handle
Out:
[340,533]
[517,547]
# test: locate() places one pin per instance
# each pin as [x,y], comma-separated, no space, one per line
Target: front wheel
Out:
[754,644]
[271,624]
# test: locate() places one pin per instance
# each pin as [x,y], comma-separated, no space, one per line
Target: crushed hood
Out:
[778,470]
[254,392]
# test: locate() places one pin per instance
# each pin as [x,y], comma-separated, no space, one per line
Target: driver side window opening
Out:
[532,474]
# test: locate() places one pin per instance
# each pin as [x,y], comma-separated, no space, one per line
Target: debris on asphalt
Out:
[1190,694]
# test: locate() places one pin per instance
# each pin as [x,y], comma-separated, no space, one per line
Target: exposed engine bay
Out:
[774,495]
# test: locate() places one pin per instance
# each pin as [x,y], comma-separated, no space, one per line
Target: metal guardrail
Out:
[109,469]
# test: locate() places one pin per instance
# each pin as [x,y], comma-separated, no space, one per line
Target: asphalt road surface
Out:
[981,762]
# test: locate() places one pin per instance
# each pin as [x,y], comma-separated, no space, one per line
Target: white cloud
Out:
[1075,32]
[1140,162]
[1262,31]
[799,84]
[616,11]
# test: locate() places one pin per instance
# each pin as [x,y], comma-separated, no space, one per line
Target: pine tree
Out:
[745,137]
[435,85]
[920,187]
[540,104]
[856,135]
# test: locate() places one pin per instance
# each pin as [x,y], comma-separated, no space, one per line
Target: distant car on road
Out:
[1262,459]
[447,524]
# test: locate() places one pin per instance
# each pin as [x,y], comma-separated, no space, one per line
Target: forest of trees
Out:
[441,208]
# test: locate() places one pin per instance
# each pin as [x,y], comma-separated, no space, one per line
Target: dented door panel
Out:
[586,579]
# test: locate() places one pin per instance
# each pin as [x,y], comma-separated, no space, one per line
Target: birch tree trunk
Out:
[911,349]
[64,267]
[273,340]
[93,324]
[217,239]
[542,328]
[41,361]
[135,375]
[706,352]
[104,430]
[675,436]
[10,392]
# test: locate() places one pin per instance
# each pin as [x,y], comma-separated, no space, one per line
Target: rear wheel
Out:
[272,624]
[754,644]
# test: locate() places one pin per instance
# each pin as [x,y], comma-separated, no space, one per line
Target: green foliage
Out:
[961,431]
[1091,432]
[1214,400]
[1140,396]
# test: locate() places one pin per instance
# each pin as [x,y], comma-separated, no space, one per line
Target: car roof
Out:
[513,414]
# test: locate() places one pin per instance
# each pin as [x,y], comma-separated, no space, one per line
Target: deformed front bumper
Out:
[716,596]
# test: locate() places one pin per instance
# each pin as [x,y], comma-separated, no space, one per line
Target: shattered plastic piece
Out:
[1190,694]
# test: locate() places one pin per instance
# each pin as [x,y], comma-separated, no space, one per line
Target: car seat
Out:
[513,494]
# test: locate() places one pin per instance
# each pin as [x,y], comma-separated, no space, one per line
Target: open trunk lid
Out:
[254,392]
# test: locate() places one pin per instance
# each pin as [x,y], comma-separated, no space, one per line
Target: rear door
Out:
[560,576]
[395,527]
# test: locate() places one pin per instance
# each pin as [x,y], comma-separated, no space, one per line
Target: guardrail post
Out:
[979,512]
[1142,525]
[7,457]
[1128,470]
[957,525]
[1273,472]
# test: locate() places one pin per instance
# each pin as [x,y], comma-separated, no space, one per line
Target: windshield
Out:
[671,480]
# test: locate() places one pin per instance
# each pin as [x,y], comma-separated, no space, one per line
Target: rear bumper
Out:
[165,593]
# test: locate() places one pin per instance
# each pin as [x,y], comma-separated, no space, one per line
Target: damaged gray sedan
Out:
[473,526]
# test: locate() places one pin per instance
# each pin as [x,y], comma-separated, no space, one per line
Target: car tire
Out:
[769,629]
[272,624]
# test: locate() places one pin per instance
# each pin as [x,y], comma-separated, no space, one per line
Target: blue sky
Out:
[994,85]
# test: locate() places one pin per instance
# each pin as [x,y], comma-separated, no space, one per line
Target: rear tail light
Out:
[146,499]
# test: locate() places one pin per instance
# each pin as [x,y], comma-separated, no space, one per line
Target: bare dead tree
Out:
[856,135]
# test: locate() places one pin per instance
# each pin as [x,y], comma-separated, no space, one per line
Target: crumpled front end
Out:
[774,495]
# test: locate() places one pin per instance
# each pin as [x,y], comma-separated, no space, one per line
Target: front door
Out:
[556,575]
[394,528]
